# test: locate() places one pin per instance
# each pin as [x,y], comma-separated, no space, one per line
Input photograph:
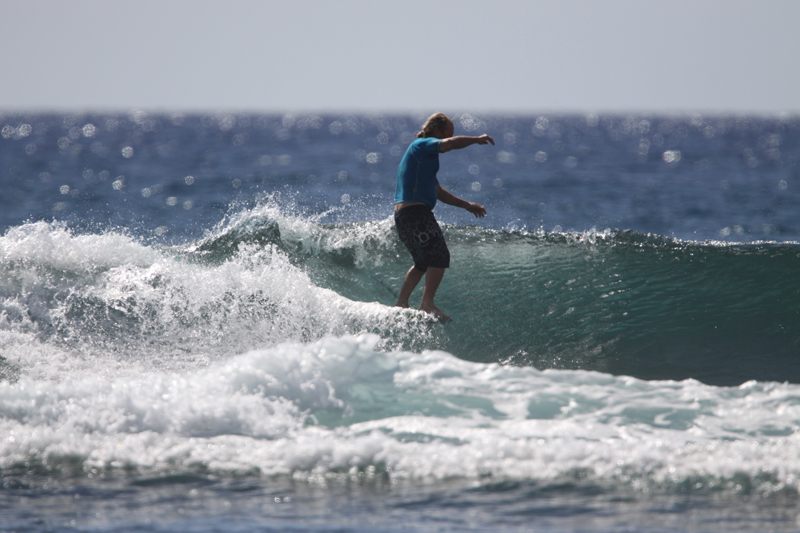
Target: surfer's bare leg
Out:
[409,284]
[432,280]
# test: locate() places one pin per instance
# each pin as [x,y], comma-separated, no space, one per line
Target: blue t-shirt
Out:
[416,176]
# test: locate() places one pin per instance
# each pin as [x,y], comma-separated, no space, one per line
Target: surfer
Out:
[416,194]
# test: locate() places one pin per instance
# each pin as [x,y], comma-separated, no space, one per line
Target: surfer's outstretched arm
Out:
[449,198]
[462,141]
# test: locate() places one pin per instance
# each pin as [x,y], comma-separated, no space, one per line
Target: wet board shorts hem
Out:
[423,237]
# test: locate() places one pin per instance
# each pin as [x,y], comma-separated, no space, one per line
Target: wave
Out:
[618,302]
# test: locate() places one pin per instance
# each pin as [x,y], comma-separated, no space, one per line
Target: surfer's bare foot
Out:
[402,304]
[435,311]
[433,276]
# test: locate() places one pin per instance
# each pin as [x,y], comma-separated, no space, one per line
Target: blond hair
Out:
[434,123]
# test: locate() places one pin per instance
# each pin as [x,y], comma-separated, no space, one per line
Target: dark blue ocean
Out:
[196,331]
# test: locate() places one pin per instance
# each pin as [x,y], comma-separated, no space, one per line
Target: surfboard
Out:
[427,317]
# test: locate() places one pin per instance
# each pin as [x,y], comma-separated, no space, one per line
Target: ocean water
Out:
[196,331]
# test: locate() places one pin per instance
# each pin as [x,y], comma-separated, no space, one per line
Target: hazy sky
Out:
[382,55]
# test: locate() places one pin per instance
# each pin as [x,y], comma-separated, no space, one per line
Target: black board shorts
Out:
[423,237]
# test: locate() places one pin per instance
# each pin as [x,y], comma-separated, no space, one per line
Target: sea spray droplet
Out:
[506,157]
[336,127]
[23,131]
[469,123]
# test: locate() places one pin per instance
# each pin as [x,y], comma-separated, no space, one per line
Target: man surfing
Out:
[415,196]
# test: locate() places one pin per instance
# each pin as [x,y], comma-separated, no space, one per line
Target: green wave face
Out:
[615,302]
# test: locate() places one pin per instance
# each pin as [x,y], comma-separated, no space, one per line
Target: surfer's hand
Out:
[483,139]
[476,209]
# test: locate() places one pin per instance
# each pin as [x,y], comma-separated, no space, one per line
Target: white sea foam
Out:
[52,245]
[338,406]
[107,304]
[309,234]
